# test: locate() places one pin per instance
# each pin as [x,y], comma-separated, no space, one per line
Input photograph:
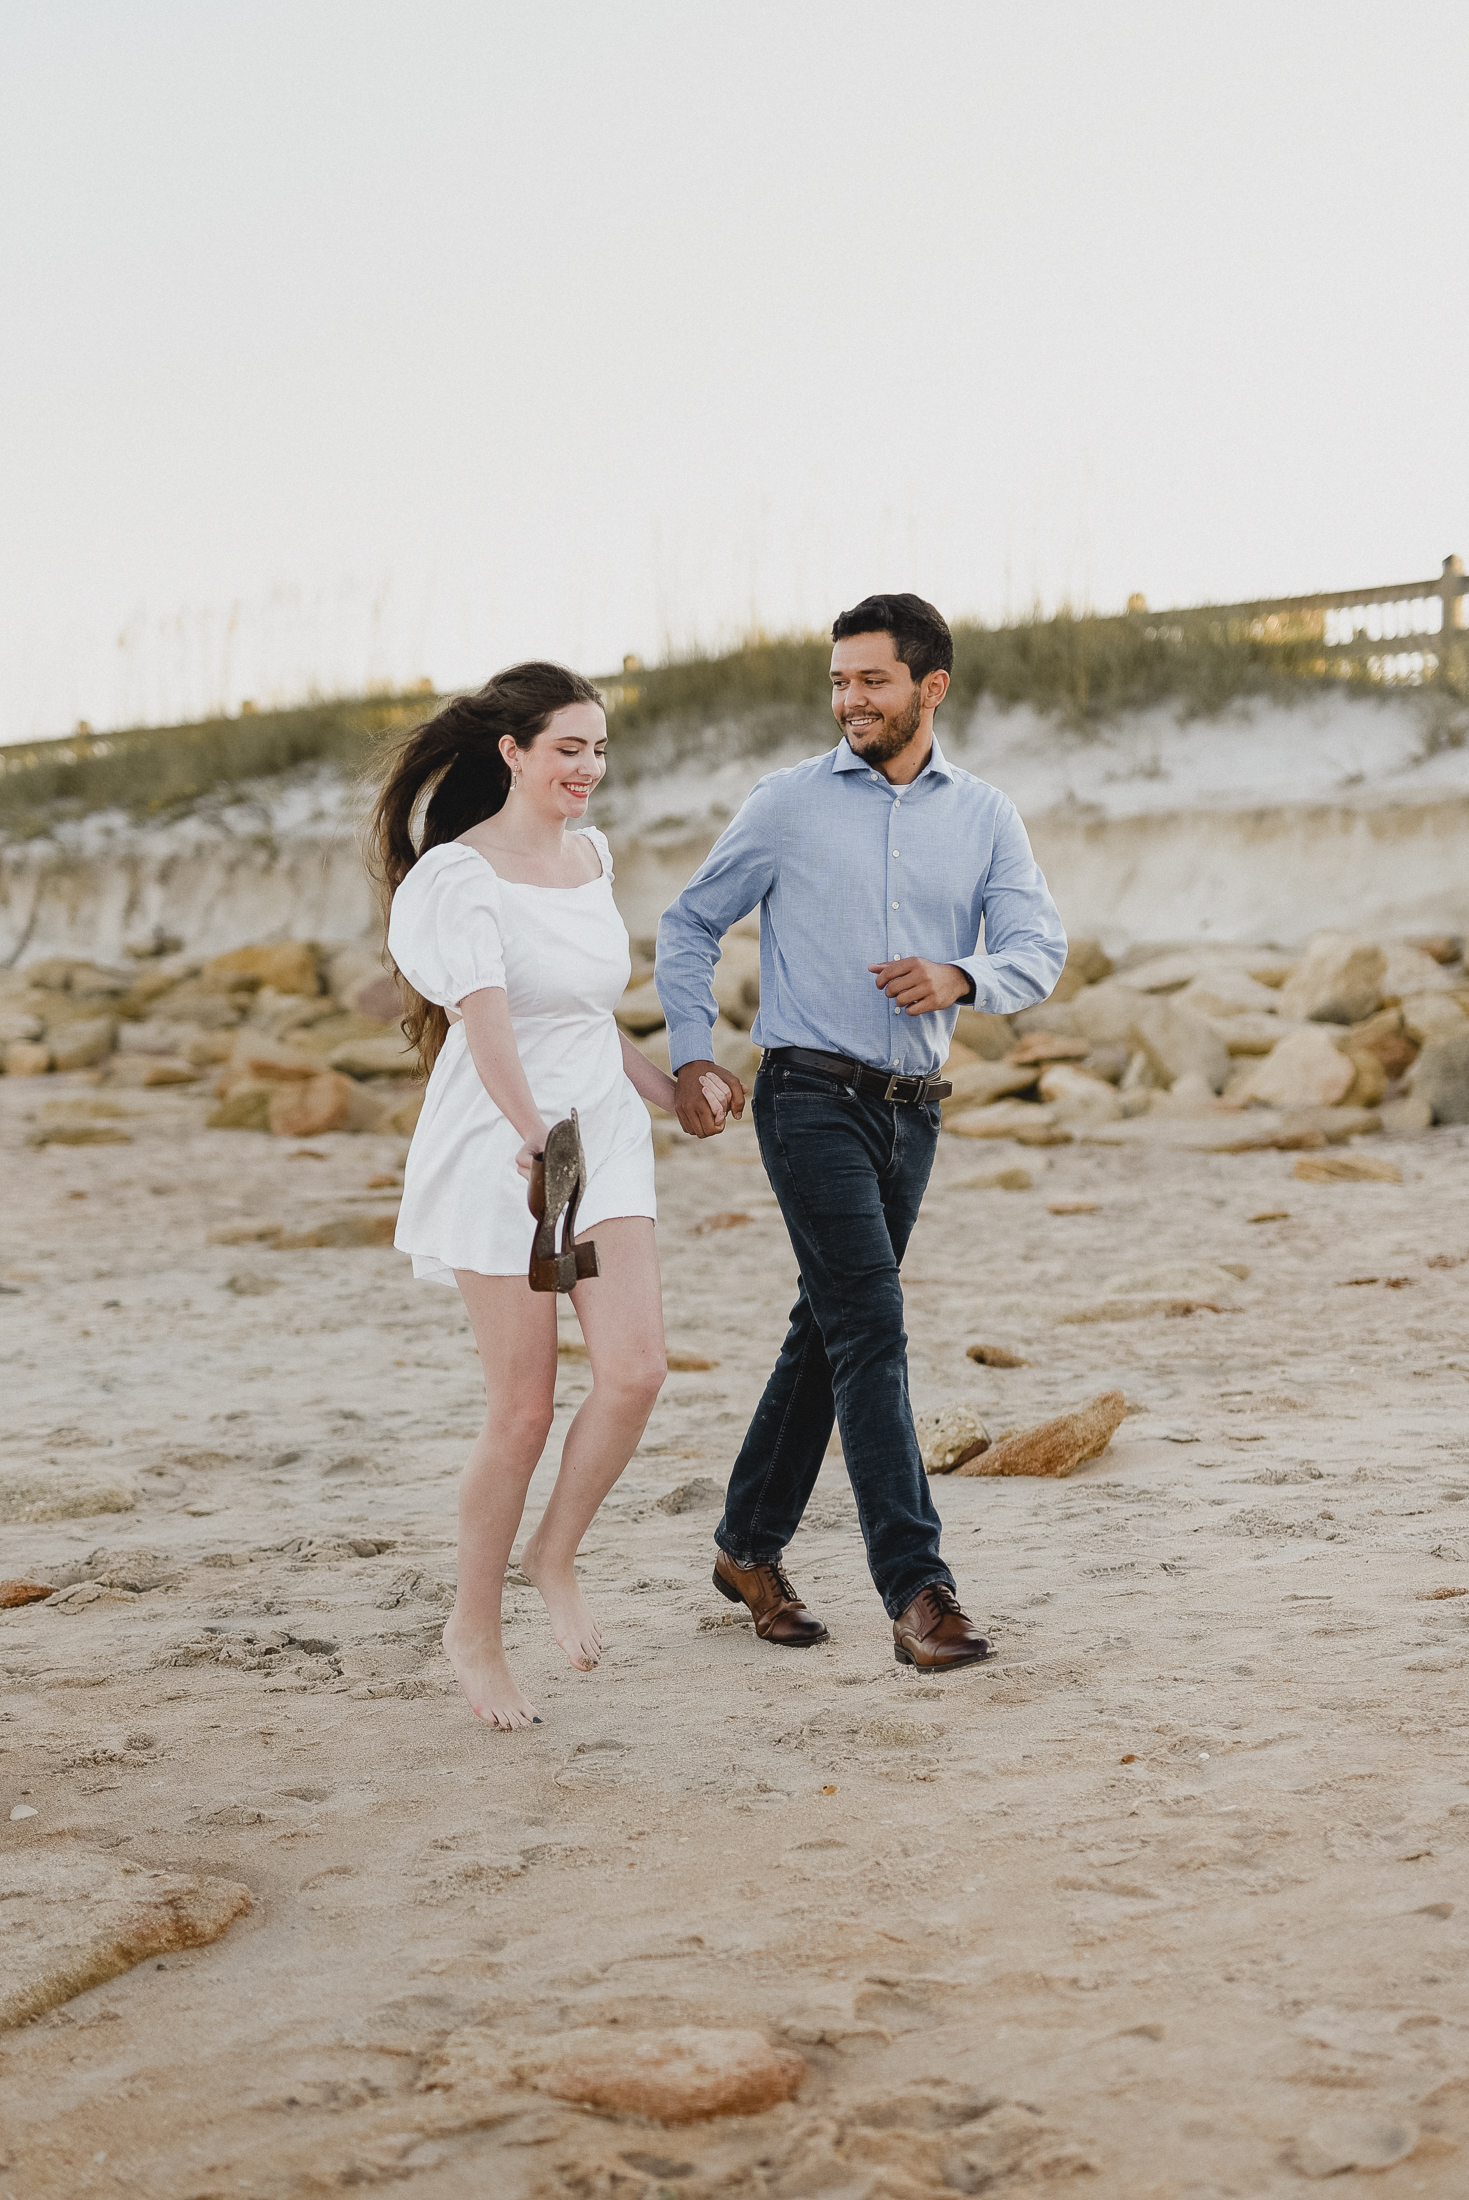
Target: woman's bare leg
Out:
[621,1315]
[515,1330]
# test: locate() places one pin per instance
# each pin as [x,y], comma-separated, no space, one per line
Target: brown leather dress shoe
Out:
[780,1616]
[934,1633]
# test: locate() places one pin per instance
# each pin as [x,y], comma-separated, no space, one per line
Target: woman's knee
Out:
[521,1428]
[633,1381]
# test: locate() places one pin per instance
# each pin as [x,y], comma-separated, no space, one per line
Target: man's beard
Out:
[894,737]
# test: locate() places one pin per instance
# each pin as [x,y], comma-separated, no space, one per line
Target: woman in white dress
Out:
[503,925]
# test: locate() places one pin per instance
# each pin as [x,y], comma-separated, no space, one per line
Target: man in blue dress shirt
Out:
[873,867]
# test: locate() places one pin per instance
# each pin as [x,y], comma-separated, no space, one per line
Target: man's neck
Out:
[901,770]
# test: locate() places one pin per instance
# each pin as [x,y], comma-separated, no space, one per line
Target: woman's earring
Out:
[515,782]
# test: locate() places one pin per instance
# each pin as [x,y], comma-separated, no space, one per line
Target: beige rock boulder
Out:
[327,1102]
[142,1072]
[1087,963]
[1441,1078]
[17,1025]
[1226,993]
[1249,1033]
[357,978]
[1176,1041]
[83,1044]
[1346,1168]
[1078,1098]
[1432,1016]
[402,1115]
[245,1107]
[1337,981]
[947,1436]
[978,1084]
[1106,1014]
[1055,1447]
[640,1010]
[1307,1070]
[991,1037]
[389,1056]
[1411,971]
[289,966]
[685,2075]
[76,1920]
[1025,1121]
[27,1058]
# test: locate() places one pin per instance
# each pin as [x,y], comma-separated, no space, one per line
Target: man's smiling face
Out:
[874,697]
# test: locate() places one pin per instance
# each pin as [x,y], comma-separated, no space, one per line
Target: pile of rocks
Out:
[1377,1032]
[295,1039]
[1372,1033]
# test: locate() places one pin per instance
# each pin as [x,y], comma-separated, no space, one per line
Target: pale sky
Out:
[349,342]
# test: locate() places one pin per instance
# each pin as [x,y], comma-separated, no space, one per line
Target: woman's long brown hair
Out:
[456,753]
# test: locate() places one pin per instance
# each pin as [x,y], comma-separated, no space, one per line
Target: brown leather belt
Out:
[880,1083]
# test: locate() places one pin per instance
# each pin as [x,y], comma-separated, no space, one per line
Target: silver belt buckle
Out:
[890,1094]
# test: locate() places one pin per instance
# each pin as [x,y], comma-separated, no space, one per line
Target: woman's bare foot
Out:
[488,1684]
[571,1620]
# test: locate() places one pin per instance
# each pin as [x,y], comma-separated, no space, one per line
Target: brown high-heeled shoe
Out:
[558,1178]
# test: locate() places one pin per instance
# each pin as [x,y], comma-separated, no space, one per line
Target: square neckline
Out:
[529,886]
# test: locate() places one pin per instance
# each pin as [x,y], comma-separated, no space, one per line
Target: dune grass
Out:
[1082,670]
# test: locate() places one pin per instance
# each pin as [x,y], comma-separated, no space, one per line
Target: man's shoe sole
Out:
[945,1665]
[726,1589]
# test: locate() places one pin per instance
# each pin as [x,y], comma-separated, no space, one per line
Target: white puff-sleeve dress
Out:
[561,953]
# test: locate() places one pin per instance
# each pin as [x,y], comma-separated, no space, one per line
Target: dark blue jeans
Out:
[849,1173]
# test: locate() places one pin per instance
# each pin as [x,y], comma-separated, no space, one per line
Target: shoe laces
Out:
[783,1580]
[943,1600]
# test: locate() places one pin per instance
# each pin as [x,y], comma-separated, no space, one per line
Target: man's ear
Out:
[934,689]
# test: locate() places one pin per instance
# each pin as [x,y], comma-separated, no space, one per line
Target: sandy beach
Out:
[1166,1901]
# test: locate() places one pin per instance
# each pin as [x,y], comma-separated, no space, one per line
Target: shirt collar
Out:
[846,759]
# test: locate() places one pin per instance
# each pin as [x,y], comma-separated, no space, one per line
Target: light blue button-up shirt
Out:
[848,870]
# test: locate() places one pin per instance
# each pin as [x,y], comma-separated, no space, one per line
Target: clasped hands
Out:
[913,984]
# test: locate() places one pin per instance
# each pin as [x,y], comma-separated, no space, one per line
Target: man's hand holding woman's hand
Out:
[706,1094]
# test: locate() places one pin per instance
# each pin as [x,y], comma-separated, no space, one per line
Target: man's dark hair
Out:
[921,637]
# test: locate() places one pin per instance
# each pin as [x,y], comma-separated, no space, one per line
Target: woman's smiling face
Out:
[559,770]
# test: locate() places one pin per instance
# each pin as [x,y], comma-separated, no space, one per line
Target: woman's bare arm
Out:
[646,1078]
[492,1049]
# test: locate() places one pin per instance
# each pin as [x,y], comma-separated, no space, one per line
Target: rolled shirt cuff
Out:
[690,1042]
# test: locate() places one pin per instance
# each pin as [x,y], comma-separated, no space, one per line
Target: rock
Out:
[1056,1447]
[245,1108]
[1181,1287]
[17,1025]
[640,1009]
[1087,963]
[146,1072]
[1369,1081]
[74,1921]
[1432,1016]
[1111,1063]
[947,1436]
[1078,1098]
[1384,1036]
[1307,1070]
[80,1134]
[81,1045]
[1248,1033]
[979,1084]
[1346,1168]
[1018,1119]
[733,1049]
[1050,1046]
[15,1593]
[999,1180]
[391,1056]
[1338,981]
[994,1355]
[1409,971]
[990,1036]
[27,1058]
[1403,1118]
[1051,1016]
[1444,947]
[1189,1095]
[1176,1041]
[681,2076]
[327,1102]
[1227,993]
[1346,2141]
[254,1058]
[699,1494]
[247,1286]
[1226,1130]
[27,1499]
[65,974]
[344,1231]
[402,1115]
[355,976]
[1441,1078]
[289,966]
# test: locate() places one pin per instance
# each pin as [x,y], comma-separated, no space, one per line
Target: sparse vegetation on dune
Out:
[1082,670]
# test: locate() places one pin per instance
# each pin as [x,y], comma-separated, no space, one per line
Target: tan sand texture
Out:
[1167,1900]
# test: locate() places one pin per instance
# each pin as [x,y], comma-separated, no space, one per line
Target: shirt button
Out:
[895,905]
